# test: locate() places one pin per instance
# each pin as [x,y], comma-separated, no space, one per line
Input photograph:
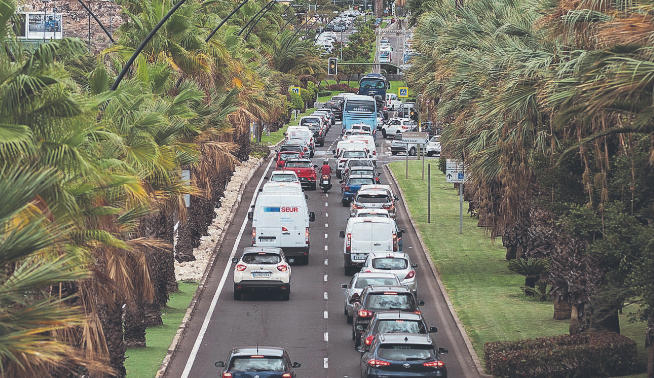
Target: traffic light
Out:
[332,66]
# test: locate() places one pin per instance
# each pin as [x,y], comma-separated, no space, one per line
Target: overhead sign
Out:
[295,90]
[403,92]
[415,137]
[454,171]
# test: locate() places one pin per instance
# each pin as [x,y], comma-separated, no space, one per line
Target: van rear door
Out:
[369,236]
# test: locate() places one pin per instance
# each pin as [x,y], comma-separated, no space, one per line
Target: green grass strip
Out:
[485,293]
[144,362]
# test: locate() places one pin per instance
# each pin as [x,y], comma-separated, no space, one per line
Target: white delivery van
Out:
[365,235]
[280,218]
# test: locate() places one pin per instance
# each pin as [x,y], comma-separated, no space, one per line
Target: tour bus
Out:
[280,218]
[359,109]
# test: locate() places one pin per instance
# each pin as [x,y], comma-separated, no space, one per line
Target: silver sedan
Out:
[359,282]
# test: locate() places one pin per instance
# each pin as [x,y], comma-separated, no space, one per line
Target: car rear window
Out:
[406,352]
[256,363]
[384,301]
[361,181]
[372,281]
[291,148]
[283,178]
[360,163]
[389,263]
[310,121]
[400,326]
[261,258]
[373,198]
[287,156]
[368,215]
[298,164]
[354,154]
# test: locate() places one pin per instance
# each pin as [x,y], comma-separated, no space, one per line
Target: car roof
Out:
[260,350]
[383,289]
[395,255]
[397,315]
[373,192]
[405,338]
[273,250]
[375,274]
[369,220]
[378,187]
[298,160]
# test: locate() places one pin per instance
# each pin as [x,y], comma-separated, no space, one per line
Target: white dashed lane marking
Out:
[326,262]
[326,337]
[325,314]
[325,362]
[326,248]
[324,278]
[325,296]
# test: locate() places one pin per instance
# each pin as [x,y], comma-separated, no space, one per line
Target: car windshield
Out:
[389,263]
[360,106]
[280,177]
[388,301]
[406,352]
[251,363]
[361,181]
[261,258]
[400,326]
[373,198]
[380,281]
[372,83]
[354,154]
[298,164]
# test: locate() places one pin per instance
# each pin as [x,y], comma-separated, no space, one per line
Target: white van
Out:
[392,102]
[280,218]
[365,235]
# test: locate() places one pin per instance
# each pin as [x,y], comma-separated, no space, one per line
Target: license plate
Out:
[260,274]
[359,256]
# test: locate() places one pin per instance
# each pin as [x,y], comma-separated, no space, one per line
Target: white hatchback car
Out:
[284,176]
[396,263]
[262,268]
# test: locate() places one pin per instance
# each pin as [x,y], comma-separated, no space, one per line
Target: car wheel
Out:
[430,154]
[345,203]
[305,260]
[353,334]
[393,153]
[349,319]
[286,295]
[357,340]
[237,295]
[315,186]
[412,151]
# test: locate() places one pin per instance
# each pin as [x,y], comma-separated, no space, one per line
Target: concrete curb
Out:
[172,349]
[440,284]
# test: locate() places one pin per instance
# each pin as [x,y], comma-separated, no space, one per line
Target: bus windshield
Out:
[372,83]
[360,106]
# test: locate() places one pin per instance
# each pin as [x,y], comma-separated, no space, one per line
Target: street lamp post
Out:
[225,20]
[264,9]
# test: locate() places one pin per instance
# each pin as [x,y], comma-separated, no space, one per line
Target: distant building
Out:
[55,19]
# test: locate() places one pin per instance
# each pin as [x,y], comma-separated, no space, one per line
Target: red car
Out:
[304,171]
[282,156]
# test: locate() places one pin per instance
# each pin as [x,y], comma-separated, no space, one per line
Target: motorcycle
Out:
[325,183]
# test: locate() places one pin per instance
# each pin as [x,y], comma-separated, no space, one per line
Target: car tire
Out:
[349,319]
[237,295]
[412,151]
[345,203]
[305,260]
[357,340]
[393,153]
[430,154]
[384,133]
[286,295]
[315,186]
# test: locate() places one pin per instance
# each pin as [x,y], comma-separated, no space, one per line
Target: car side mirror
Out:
[414,266]
[421,303]
[343,286]
[296,364]
[442,351]
[433,329]
[235,260]
[312,216]
[341,234]
[219,364]
[250,215]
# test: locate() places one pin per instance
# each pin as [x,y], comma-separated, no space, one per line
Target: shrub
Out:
[342,88]
[296,101]
[597,354]
[324,93]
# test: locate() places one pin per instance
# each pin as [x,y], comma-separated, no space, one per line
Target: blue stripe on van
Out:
[271,209]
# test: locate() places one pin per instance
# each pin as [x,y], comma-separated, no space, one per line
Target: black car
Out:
[393,322]
[380,298]
[265,362]
[336,108]
[403,355]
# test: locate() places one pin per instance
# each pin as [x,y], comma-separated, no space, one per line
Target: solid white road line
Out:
[325,296]
[219,289]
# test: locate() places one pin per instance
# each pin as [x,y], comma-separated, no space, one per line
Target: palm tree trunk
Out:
[562,308]
[649,344]
[135,327]
[111,316]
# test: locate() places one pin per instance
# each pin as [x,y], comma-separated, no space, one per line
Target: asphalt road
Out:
[311,326]
[396,37]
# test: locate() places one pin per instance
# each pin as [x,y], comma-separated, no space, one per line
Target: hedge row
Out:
[342,88]
[583,355]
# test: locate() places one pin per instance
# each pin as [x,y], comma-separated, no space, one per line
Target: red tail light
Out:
[411,274]
[368,341]
[374,152]
[282,268]
[355,206]
[254,235]
[306,235]
[227,375]
[287,375]
[347,188]
[365,314]
[240,267]
[378,363]
[348,243]
[435,364]
[284,229]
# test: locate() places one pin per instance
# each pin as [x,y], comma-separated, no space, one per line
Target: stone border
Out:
[440,284]
[172,349]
